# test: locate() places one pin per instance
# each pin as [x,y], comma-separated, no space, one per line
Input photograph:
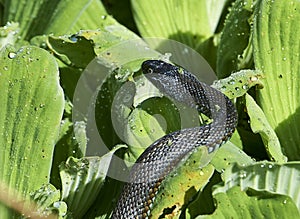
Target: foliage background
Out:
[46,45]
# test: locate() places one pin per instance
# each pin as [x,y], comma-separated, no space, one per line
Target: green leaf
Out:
[259,124]
[238,83]
[235,39]
[79,49]
[192,22]
[82,180]
[48,201]
[235,203]
[229,154]
[265,176]
[76,52]
[155,118]
[62,17]
[276,54]
[32,105]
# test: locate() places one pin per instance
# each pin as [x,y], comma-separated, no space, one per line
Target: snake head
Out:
[156,67]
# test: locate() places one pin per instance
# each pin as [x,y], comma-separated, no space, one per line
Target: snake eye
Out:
[150,70]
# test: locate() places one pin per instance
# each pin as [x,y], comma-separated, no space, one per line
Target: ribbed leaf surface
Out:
[277,55]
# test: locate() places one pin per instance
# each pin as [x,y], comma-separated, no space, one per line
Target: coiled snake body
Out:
[160,158]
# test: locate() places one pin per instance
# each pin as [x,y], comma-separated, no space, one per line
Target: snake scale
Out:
[160,158]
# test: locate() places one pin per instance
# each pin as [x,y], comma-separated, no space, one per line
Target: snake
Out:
[166,153]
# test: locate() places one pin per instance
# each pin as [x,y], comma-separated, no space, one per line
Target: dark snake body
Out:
[160,158]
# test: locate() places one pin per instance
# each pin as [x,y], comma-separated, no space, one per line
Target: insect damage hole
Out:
[167,211]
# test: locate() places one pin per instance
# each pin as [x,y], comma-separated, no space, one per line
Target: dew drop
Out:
[243,174]
[12,55]
[270,166]
[245,87]
[253,78]
[5,68]
[118,76]
[231,82]
[73,38]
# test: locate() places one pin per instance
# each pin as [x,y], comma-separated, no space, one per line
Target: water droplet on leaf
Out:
[12,55]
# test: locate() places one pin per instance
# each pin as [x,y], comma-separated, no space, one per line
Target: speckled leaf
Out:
[82,180]
[235,203]
[48,201]
[79,49]
[182,184]
[234,51]
[229,154]
[277,55]
[265,176]
[238,83]
[31,109]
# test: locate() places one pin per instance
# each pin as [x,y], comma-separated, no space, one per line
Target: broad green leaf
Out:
[235,203]
[192,22]
[32,105]
[277,55]
[259,124]
[75,52]
[265,176]
[79,49]
[229,154]
[233,51]
[82,180]
[62,17]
